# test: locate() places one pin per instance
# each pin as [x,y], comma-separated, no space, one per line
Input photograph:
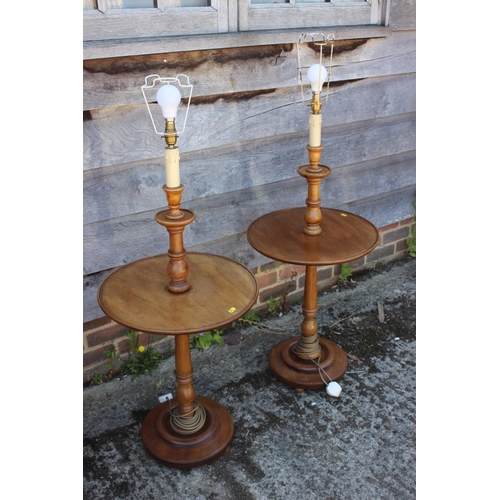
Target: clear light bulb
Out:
[316,75]
[168,97]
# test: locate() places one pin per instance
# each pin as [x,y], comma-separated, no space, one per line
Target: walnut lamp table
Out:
[180,293]
[311,236]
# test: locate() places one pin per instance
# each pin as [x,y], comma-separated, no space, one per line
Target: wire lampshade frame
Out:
[181,81]
[320,40]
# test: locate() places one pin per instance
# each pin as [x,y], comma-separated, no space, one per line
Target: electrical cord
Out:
[308,347]
[188,424]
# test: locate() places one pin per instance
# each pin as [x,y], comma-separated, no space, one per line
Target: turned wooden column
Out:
[185,392]
[308,346]
[314,158]
[175,220]
[314,173]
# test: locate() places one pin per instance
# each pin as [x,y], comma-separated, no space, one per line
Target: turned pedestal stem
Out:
[314,173]
[308,345]
[185,392]
[177,268]
[314,158]
[175,220]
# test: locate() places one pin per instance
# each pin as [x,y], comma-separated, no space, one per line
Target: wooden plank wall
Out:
[245,138]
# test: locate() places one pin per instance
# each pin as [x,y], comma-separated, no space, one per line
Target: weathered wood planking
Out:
[371,139]
[380,210]
[117,24]
[156,45]
[116,82]
[403,14]
[124,135]
[113,242]
[132,188]
[263,17]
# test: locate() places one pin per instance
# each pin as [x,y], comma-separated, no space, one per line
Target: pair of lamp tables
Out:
[182,293]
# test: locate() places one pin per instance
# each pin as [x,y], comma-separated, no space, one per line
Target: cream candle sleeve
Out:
[172,171]
[315,130]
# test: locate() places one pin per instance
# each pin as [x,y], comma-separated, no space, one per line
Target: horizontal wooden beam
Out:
[159,45]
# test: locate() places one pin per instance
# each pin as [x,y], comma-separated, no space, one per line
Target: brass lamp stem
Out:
[170,132]
[316,104]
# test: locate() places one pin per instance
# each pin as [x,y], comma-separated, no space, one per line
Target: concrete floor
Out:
[286,445]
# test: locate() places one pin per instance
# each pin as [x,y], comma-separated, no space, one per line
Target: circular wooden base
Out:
[167,446]
[304,374]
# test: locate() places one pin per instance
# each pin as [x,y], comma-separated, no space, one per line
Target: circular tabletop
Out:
[136,295]
[280,235]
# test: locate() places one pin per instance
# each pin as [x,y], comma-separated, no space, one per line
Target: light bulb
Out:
[316,75]
[168,97]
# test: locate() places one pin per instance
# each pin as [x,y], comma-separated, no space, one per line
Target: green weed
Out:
[143,359]
[250,318]
[345,273]
[97,379]
[275,305]
[206,339]
[112,356]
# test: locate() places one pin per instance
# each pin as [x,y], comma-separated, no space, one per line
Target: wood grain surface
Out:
[136,295]
[280,236]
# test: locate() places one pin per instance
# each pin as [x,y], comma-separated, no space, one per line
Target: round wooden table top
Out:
[136,295]
[280,235]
